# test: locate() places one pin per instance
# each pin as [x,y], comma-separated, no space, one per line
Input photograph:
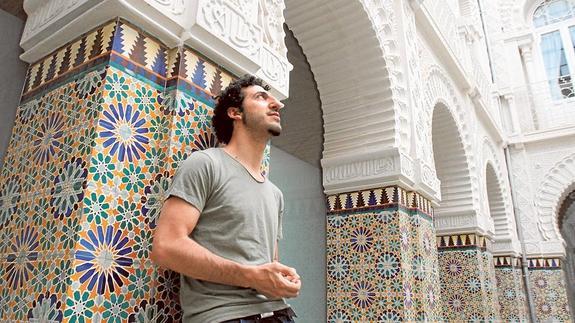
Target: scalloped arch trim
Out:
[553,188]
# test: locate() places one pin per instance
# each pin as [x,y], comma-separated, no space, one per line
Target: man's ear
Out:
[234,113]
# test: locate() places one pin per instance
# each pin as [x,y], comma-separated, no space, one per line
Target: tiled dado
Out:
[511,289]
[103,124]
[468,286]
[381,257]
[548,286]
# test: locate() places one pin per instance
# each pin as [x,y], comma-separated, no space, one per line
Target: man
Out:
[220,224]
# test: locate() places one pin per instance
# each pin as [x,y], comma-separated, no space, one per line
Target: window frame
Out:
[568,45]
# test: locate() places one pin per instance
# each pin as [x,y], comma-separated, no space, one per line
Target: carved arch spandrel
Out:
[503,216]
[550,193]
[439,89]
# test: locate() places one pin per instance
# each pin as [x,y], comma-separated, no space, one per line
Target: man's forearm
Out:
[191,259]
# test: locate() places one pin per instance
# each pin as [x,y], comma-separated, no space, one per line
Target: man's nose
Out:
[276,104]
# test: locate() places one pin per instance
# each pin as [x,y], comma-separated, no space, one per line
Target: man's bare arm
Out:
[173,248]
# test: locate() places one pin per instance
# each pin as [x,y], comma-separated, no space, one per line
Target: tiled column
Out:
[103,124]
[511,289]
[468,287]
[381,260]
[547,281]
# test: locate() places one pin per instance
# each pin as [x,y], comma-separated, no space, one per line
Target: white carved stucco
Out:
[439,90]
[359,89]
[503,219]
[175,7]
[554,187]
[244,36]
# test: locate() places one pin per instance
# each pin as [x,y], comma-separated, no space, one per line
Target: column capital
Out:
[526,48]
[365,170]
[246,38]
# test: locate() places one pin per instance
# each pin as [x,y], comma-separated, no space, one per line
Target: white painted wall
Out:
[303,246]
[13,72]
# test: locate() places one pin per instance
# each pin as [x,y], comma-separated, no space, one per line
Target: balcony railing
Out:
[546,105]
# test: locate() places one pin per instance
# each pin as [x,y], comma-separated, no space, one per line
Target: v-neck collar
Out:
[243,166]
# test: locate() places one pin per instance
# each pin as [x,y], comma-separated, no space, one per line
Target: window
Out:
[554,22]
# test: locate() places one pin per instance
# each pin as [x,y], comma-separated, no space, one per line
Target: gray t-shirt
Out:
[240,220]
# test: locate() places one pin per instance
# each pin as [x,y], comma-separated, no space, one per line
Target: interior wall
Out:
[304,227]
[12,76]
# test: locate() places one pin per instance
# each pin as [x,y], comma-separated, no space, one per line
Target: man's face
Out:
[261,110]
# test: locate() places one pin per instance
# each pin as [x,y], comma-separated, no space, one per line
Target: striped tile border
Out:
[544,263]
[466,240]
[506,261]
[359,200]
[120,43]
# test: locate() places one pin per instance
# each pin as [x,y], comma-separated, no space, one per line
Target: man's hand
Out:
[274,280]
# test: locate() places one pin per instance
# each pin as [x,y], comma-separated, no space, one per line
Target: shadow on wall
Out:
[12,76]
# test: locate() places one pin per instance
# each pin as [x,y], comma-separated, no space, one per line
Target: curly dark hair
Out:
[231,97]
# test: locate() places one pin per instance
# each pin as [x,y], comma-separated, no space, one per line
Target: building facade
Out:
[428,160]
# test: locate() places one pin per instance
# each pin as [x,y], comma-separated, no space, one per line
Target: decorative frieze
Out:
[544,263]
[385,196]
[507,261]
[242,36]
[456,241]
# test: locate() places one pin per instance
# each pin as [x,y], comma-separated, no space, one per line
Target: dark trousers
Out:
[282,316]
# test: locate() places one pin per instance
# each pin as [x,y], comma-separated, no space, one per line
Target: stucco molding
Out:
[438,89]
[358,89]
[243,36]
[550,193]
[367,170]
[504,214]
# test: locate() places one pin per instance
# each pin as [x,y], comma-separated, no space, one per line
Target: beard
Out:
[273,129]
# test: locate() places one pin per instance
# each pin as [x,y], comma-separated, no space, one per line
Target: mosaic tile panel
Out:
[549,294]
[511,289]
[41,189]
[381,265]
[468,286]
[92,153]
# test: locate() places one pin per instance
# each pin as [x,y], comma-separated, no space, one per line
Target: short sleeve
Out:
[193,180]
[280,216]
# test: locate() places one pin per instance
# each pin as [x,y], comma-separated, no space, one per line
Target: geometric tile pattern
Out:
[549,295]
[511,291]
[92,48]
[468,284]
[381,265]
[377,198]
[97,139]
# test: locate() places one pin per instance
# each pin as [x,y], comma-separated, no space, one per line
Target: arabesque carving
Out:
[550,193]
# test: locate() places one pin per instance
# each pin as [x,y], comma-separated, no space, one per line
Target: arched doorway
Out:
[295,169]
[451,165]
[496,203]
[465,261]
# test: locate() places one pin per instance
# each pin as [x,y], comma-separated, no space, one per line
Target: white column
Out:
[532,84]
[515,125]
